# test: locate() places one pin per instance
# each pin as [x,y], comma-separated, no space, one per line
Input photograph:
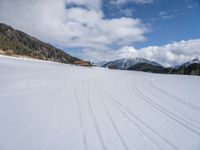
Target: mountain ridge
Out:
[23,44]
[125,63]
[139,64]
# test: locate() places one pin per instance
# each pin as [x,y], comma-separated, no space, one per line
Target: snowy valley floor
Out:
[52,106]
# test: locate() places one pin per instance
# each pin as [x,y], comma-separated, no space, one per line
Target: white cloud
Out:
[135,1]
[170,54]
[165,15]
[127,12]
[191,6]
[167,55]
[91,4]
[99,55]
[50,21]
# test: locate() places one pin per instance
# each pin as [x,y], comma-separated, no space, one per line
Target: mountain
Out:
[139,64]
[193,61]
[188,68]
[99,63]
[147,67]
[21,43]
[125,63]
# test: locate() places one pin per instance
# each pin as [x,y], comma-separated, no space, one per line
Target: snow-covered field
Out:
[51,106]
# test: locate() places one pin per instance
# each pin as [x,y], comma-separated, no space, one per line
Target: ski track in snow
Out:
[96,125]
[81,120]
[52,106]
[165,111]
[121,108]
[173,97]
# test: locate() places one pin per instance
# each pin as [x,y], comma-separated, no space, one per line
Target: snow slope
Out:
[51,106]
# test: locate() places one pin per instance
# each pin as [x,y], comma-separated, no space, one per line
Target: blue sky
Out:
[182,21]
[168,20]
[167,31]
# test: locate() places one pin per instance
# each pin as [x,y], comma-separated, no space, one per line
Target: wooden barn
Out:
[82,63]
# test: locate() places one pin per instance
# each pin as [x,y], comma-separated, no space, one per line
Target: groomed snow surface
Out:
[52,106]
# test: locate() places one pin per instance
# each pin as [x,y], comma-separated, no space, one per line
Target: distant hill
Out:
[140,64]
[188,68]
[125,63]
[149,68]
[23,44]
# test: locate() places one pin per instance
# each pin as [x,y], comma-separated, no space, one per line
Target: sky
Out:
[165,31]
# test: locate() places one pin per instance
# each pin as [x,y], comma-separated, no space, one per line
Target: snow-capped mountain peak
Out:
[196,60]
[193,61]
[125,63]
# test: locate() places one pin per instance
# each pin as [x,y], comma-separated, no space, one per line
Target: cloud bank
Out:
[168,55]
[71,23]
[136,1]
